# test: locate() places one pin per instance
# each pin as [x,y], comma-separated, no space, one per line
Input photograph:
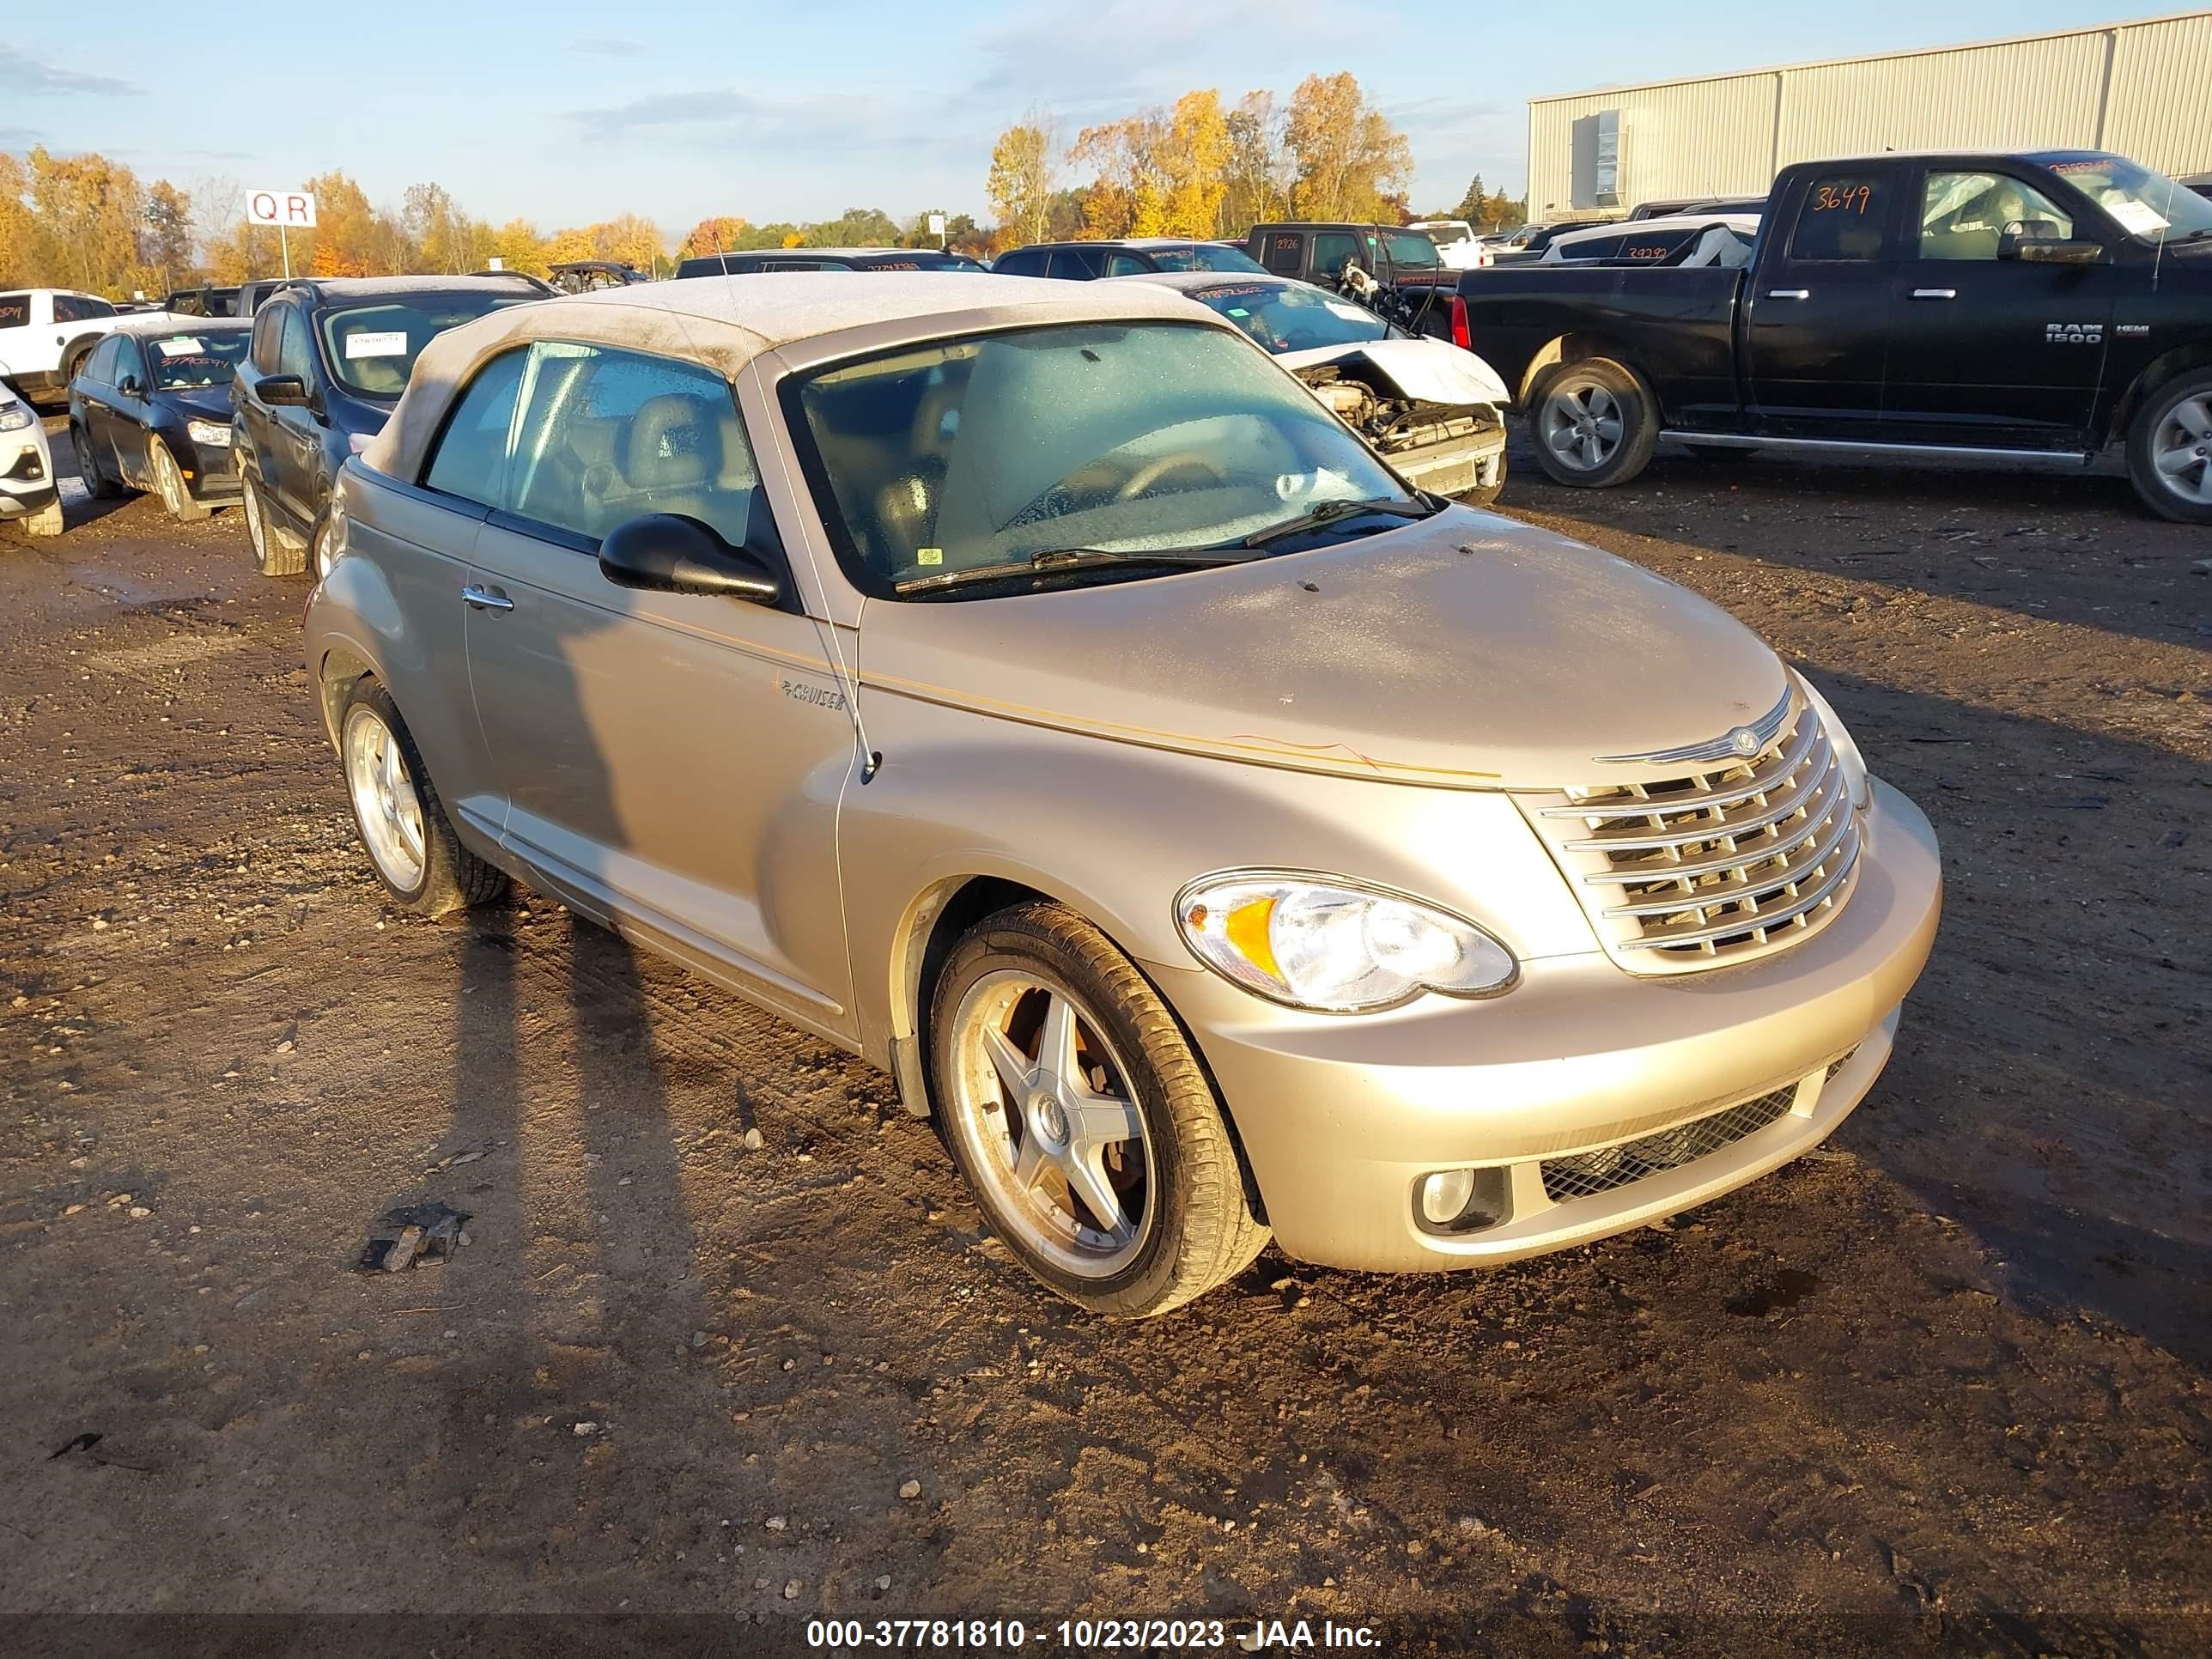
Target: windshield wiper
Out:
[1330,511]
[1054,560]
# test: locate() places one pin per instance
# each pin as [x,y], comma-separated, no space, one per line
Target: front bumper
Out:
[210,471]
[1456,466]
[1341,1117]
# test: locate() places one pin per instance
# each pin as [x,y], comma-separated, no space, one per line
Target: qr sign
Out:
[294,210]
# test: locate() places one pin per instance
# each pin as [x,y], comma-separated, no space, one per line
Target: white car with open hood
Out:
[1436,412]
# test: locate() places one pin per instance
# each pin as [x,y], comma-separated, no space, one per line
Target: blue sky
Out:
[563,112]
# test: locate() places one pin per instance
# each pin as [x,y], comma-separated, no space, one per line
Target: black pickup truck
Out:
[1416,287]
[2043,306]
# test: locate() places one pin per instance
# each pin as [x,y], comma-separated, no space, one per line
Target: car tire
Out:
[1487,494]
[169,483]
[89,471]
[318,548]
[2170,450]
[398,816]
[1594,425]
[1004,989]
[272,556]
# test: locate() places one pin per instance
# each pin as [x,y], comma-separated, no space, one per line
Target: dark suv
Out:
[328,360]
[1131,256]
[826,258]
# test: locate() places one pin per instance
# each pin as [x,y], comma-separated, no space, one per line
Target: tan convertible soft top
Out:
[724,322]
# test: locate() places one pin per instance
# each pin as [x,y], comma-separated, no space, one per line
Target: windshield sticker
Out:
[392,344]
[1238,311]
[1350,314]
[183,346]
[1232,291]
[929,556]
[2136,217]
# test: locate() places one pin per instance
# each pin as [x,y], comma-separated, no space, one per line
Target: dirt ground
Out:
[1941,1386]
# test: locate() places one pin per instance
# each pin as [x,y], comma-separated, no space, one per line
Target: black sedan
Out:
[150,409]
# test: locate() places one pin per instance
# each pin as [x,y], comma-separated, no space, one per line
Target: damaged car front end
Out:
[1434,410]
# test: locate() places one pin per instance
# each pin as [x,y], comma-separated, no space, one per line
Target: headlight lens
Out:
[1847,752]
[1332,945]
[13,417]
[211,433]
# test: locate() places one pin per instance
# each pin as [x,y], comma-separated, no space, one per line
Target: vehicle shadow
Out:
[1919,527]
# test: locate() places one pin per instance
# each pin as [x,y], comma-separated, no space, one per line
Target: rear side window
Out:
[471,459]
[1842,217]
[79,308]
[1127,264]
[1597,248]
[1284,251]
[14,311]
[607,436]
[1022,262]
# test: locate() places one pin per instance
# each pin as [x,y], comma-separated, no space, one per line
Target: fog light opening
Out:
[1462,1200]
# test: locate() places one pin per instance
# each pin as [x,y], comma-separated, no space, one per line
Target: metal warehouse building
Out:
[2143,89]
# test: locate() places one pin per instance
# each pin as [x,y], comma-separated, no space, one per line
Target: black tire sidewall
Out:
[1639,423]
[1008,940]
[2150,488]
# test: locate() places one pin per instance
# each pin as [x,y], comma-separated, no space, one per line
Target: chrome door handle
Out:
[1935,292]
[1790,294]
[483,599]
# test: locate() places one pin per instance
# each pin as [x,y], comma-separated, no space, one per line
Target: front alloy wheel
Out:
[1595,424]
[385,802]
[1085,1127]
[1045,1102]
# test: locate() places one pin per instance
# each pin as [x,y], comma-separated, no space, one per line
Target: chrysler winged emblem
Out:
[1737,742]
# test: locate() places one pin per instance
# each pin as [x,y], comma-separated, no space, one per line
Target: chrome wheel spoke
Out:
[2194,416]
[2176,458]
[1095,1121]
[1599,402]
[1029,1161]
[1609,430]
[1087,1180]
[1056,1042]
[1011,1065]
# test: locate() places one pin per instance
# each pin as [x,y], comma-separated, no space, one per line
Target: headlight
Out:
[1332,945]
[14,417]
[1847,752]
[211,433]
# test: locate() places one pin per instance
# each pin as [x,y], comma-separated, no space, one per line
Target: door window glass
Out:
[130,364]
[99,368]
[1965,215]
[1842,217]
[1077,264]
[1126,264]
[1331,249]
[1286,251]
[267,336]
[470,460]
[1023,262]
[608,436]
[14,311]
[295,353]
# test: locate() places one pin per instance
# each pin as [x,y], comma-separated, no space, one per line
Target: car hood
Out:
[1422,371]
[1466,651]
[207,403]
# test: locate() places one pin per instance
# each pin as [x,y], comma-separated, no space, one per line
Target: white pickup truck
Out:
[1458,245]
[46,333]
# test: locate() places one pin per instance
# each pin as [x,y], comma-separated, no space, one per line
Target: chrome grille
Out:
[1586,1174]
[1716,865]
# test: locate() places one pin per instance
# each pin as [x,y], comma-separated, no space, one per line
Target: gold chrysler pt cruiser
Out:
[1031,688]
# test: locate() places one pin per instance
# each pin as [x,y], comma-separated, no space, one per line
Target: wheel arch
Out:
[2156,376]
[1573,346]
[340,669]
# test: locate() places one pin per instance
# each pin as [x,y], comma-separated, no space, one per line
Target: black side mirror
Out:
[128,387]
[2025,245]
[283,391]
[666,553]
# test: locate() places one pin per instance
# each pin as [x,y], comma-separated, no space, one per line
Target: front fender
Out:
[1115,829]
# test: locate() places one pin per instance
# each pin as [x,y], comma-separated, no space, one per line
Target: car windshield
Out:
[2149,206]
[1291,316]
[1199,256]
[1412,251]
[184,362]
[1121,438]
[370,348]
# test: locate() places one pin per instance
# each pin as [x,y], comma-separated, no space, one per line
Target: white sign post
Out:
[283,209]
[937,228]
